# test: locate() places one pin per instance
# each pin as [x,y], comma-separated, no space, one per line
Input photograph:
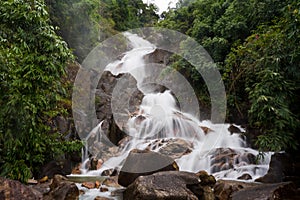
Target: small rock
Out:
[110,172]
[234,129]
[97,184]
[245,177]
[76,170]
[88,185]
[111,182]
[103,189]
[206,129]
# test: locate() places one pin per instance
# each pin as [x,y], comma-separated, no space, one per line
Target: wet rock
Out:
[206,130]
[174,148]
[97,184]
[275,191]
[111,182]
[76,169]
[88,185]
[142,163]
[113,127]
[168,185]
[62,189]
[103,189]
[224,189]
[110,172]
[245,177]
[227,158]
[95,164]
[234,129]
[14,190]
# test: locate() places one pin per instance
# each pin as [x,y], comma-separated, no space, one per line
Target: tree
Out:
[32,60]
[268,70]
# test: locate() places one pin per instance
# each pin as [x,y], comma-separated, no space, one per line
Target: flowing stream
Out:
[158,122]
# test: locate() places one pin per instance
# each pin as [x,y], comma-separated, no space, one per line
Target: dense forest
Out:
[255,44]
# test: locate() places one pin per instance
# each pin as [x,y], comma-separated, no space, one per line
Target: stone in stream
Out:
[168,185]
[142,163]
[88,185]
[111,182]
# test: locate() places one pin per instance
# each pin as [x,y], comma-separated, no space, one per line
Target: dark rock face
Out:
[103,98]
[142,163]
[14,190]
[171,185]
[282,168]
[277,191]
[62,189]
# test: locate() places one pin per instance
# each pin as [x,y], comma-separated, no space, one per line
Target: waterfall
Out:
[158,118]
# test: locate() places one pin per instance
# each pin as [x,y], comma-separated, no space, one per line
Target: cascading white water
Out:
[216,150]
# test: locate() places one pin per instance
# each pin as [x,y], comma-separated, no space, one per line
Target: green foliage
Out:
[32,60]
[268,70]
[85,23]
[129,14]
[256,47]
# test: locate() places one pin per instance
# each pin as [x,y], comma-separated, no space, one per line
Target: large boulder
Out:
[172,147]
[277,191]
[169,185]
[283,167]
[14,190]
[142,163]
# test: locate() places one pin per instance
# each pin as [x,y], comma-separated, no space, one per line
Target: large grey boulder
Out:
[14,190]
[142,163]
[168,185]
